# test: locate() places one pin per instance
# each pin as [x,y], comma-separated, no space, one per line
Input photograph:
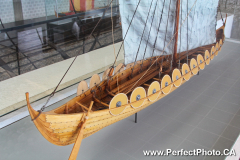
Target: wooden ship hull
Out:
[124,90]
[92,110]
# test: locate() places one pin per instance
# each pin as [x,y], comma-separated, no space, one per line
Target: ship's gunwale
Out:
[44,125]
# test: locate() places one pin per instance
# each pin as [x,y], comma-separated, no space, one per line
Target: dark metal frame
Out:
[54,20]
[50,45]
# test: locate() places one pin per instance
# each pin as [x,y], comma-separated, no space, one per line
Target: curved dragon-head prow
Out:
[38,119]
[32,112]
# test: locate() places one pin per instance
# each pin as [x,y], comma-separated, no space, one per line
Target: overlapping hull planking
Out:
[62,125]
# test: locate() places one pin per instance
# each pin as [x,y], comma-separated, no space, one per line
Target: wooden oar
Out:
[76,147]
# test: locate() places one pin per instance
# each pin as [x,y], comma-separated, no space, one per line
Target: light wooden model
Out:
[120,95]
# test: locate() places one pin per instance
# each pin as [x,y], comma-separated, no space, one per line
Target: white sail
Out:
[201,26]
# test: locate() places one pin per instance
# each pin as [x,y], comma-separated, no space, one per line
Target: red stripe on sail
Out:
[92,4]
[83,5]
[71,7]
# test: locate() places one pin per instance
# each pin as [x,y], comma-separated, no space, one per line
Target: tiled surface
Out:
[203,113]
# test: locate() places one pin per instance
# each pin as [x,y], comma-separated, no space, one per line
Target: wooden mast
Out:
[176,31]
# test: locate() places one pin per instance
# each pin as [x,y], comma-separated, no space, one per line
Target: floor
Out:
[203,113]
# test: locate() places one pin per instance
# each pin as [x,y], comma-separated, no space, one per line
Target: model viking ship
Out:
[166,42]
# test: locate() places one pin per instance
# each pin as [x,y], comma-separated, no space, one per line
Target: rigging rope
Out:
[114,45]
[143,34]
[157,33]
[150,33]
[112,34]
[162,51]
[158,29]
[221,13]
[52,94]
[127,32]
[167,25]
[193,21]
[187,32]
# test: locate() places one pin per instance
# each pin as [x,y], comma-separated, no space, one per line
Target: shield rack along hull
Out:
[62,129]
[62,125]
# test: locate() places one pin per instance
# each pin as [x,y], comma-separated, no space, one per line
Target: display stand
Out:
[135,117]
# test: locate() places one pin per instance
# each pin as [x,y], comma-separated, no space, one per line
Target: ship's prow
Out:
[39,119]
[32,112]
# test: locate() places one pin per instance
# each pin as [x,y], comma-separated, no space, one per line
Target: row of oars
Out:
[155,89]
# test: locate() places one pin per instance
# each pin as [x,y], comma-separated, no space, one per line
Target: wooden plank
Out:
[98,101]
[110,93]
[82,105]
[146,84]
[64,118]
[157,79]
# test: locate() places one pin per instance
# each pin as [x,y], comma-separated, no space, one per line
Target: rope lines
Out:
[167,24]
[162,51]
[157,32]
[126,32]
[144,30]
[52,94]
[113,34]
[219,7]
[187,32]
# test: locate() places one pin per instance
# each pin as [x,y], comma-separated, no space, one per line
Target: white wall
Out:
[228,27]
[6,11]
[33,9]
[36,8]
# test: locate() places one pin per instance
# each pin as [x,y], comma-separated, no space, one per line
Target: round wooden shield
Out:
[194,66]
[220,44]
[137,97]
[105,74]
[176,77]
[119,68]
[153,89]
[207,57]
[117,102]
[166,84]
[186,73]
[129,65]
[216,49]
[212,52]
[82,87]
[200,61]
[94,80]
